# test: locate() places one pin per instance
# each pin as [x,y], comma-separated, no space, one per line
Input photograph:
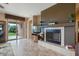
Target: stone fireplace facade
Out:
[66,35]
[54,35]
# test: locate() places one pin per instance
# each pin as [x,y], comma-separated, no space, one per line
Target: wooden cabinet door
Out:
[36,20]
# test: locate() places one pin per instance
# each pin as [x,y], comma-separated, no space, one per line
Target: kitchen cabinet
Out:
[36,20]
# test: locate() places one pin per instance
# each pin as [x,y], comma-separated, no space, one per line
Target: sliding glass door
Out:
[15,31]
[12,31]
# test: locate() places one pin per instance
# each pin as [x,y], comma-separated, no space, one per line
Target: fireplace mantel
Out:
[63,25]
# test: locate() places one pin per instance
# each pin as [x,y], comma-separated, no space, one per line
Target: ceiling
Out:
[25,9]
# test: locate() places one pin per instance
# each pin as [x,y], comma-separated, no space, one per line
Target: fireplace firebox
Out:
[53,36]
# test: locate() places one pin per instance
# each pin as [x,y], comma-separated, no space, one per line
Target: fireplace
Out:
[54,35]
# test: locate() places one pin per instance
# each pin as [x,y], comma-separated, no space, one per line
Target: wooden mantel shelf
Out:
[63,25]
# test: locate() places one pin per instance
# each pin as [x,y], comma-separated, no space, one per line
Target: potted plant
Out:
[71,17]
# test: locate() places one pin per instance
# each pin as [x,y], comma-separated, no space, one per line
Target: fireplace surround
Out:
[54,35]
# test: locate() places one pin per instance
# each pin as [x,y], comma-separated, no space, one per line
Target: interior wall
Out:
[25,27]
[20,28]
[3,20]
[58,13]
[29,28]
[77,12]
[76,29]
[3,37]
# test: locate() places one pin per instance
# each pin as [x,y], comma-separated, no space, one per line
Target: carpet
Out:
[6,49]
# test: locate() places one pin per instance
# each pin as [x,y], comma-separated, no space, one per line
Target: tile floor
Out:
[6,49]
[25,47]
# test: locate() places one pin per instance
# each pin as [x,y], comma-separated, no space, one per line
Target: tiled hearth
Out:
[57,48]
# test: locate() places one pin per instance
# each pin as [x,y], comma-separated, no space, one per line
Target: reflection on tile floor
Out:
[29,48]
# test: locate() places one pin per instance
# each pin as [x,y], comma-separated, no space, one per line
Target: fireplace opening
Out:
[53,36]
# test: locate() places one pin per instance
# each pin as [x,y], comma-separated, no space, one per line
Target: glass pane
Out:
[1,31]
